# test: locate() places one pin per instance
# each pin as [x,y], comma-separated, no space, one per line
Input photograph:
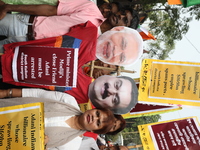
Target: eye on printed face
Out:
[93,119]
[110,92]
[117,48]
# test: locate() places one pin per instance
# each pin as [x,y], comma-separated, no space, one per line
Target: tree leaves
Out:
[168,23]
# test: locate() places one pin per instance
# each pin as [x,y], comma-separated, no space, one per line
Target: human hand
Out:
[3,10]
[102,147]
[3,93]
[2,3]
[46,139]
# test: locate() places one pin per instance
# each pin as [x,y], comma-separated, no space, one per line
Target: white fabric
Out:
[56,121]
[99,31]
[94,1]
[58,96]
[14,27]
[88,143]
[71,145]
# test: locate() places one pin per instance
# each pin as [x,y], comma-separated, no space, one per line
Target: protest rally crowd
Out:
[107,33]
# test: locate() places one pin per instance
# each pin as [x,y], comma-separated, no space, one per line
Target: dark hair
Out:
[121,146]
[136,20]
[97,105]
[109,121]
[122,125]
[117,146]
[134,98]
[119,6]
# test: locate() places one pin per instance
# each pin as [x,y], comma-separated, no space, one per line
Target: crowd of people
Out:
[107,32]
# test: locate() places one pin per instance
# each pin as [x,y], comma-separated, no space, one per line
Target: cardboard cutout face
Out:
[110,92]
[119,46]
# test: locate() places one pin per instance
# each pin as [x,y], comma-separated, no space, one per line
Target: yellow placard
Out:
[145,137]
[86,106]
[22,127]
[170,82]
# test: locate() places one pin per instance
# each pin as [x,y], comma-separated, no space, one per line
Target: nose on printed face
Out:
[117,51]
[111,91]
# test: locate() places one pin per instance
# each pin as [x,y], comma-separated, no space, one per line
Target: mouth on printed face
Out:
[107,50]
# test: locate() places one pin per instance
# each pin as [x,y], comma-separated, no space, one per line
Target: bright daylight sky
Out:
[184,51]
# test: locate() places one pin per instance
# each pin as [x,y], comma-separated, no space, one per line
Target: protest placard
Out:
[170,83]
[45,65]
[146,110]
[22,127]
[183,134]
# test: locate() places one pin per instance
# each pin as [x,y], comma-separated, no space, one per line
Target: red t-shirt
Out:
[86,32]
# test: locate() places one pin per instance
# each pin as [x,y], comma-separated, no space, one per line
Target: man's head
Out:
[125,17]
[119,15]
[119,94]
[108,8]
[119,46]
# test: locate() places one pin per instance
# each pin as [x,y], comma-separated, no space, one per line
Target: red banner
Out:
[178,135]
[45,65]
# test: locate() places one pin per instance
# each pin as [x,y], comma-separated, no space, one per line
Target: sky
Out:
[188,49]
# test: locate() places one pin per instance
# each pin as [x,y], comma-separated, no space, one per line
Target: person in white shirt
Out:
[64,122]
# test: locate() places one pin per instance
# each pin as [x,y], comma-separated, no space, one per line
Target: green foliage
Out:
[168,23]
[131,134]
[193,11]
[112,138]
[160,50]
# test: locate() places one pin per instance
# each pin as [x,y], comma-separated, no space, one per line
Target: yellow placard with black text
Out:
[170,82]
[22,127]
